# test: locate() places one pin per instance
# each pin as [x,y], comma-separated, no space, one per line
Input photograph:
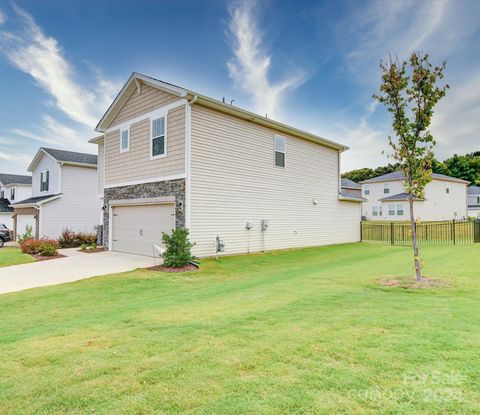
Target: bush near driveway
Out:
[44,247]
[71,239]
[304,331]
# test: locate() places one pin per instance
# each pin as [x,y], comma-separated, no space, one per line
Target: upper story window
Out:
[158,141]
[12,193]
[124,140]
[366,189]
[44,180]
[447,188]
[2,194]
[386,188]
[280,150]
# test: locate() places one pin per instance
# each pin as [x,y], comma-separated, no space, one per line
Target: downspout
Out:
[188,158]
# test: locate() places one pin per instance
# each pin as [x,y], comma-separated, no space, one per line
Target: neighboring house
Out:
[349,186]
[170,157]
[13,187]
[445,199]
[474,201]
[63,194]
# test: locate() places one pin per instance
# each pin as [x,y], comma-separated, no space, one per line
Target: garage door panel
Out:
[136,228]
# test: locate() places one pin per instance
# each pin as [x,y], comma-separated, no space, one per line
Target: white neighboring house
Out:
[170,157]
[445,199]
[13,187]
[474,201]
[64,194]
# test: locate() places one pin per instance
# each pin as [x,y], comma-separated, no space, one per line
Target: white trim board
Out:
[149,180]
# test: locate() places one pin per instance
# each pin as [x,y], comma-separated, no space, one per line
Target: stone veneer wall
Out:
[174,188]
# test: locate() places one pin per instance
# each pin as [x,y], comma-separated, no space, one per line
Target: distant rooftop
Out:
[350,184]
[473,190]
[71,156]
[6,178]
[398,175]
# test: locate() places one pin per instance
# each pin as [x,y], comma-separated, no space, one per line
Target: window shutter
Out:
[47,180]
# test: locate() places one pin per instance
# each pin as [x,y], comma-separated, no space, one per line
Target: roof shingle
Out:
[398,175]
[71,156]
[6,178]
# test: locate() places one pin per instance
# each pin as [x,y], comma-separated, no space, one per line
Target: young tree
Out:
[409,91]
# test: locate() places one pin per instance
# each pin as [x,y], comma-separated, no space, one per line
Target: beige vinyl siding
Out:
[101,168]
[148,100]
[234,180]
[135,164]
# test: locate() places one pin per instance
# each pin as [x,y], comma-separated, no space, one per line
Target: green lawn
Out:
[303,332]
[13,256]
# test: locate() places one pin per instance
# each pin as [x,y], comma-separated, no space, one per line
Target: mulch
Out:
[38,258]
[186,268]
[412,283]
[92,251]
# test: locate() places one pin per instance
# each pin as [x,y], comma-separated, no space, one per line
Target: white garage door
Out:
[136,228]
[7,220]
[23,221]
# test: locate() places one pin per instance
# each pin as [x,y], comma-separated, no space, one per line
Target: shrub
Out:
[27,235]
[44,246]
[67,239]
[177,248]
[71,239]
[48,247]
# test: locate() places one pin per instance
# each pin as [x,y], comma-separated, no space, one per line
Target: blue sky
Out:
[312,64]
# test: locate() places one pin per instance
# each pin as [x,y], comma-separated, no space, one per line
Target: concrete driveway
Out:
[75,266]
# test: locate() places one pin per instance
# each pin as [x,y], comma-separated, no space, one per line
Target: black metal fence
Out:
[453,232]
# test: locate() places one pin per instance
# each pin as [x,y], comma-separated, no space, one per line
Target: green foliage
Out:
[466,167]
[178,248]
[48,248]
[27,235]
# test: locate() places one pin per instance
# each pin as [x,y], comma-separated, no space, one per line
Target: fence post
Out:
[392,233]
[453,231]
[476,231]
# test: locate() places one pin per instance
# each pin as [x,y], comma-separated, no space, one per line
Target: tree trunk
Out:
[416,258]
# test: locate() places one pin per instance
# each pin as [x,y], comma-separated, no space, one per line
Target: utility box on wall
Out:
[265,225]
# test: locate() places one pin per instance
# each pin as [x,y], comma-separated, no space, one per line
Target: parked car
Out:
[4,235]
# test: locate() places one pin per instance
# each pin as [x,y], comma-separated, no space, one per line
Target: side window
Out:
[366,189]
[158,142]
[374,210]
[386,188]
[379,211]
[44,181]
[280,150]
[400,210]
[124,140]
[12,193]
[391,210]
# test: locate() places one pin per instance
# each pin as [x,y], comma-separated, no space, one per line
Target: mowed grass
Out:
[13,256]
[305,331]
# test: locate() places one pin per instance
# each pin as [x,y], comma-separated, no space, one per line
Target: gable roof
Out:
[65,157]
[6,179]
[398,175]
[400,196]
[473,190]
[136,79]
[350,184]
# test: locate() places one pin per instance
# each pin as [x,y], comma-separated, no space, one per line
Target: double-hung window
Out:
[386,188]
[366,189]
[280,150]
[158,142]
[374,210]
[391,210]
[12,193]
[400,210]
[44,181]
[124,140]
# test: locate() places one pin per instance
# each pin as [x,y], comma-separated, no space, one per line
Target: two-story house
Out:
[445,199]
[474,201]
[13,187]
[170,157]
[64,194]
[351,187]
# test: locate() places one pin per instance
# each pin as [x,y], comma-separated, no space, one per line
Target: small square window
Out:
[280,151]
[124,140]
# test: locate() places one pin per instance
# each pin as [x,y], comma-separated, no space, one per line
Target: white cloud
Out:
[249,68]
[3,17]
